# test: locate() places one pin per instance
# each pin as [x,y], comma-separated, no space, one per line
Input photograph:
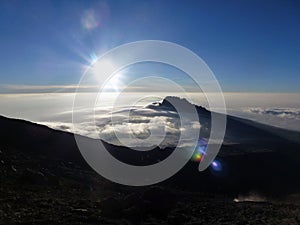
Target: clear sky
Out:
[250,45]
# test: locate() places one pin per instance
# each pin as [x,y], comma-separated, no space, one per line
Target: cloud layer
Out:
[55,110]
[289,113]
[143,128]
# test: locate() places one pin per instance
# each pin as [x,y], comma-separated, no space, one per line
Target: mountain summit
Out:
[169,102]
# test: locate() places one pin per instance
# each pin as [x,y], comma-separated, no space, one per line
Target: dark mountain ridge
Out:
[45,180]
[253,157]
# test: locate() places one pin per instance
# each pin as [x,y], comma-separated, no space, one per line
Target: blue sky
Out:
[250,45]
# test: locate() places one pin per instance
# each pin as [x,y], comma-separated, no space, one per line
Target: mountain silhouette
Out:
[255,156]
[46,166]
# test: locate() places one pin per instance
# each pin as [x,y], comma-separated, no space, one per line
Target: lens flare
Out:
[216,166]
[93,58]
[89,20]
[200,150]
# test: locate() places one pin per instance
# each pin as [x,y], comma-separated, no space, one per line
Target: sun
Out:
[114,82]
[103,67]
[102,71]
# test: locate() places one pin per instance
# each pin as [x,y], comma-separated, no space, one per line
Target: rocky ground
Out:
[42,191]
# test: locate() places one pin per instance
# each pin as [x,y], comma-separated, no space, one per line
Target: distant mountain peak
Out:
[169,102]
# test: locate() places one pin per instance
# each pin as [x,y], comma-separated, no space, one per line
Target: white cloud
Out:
[144,128]
[289,113]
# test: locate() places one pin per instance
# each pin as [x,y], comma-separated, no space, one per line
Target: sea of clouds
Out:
[163,126]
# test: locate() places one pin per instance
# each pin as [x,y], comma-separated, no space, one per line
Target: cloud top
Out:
[289,113]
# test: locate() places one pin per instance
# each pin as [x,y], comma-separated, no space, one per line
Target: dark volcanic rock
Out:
[177,218]
[158,201]
[132,200]
[134,215]
[111,208]
[32,177]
